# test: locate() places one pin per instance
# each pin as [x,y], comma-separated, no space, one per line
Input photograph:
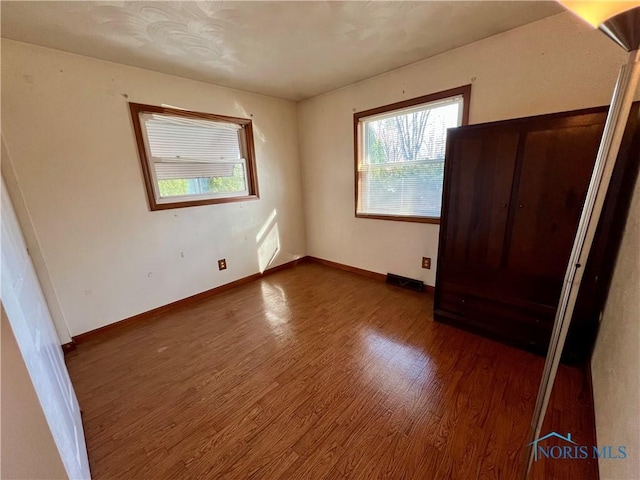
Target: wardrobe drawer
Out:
[493,312]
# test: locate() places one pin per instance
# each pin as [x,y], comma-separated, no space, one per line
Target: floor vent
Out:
[404,282]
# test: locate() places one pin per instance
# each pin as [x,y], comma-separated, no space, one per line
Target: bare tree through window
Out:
[403,164]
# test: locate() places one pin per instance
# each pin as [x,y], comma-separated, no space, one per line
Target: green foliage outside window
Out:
[191,186]
[173,188]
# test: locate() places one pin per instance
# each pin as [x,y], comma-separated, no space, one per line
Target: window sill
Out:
[196,203]
[400,218]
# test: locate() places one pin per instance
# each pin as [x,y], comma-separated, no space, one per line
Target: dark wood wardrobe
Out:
[513,194]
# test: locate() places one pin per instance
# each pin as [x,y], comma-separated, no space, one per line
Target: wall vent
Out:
[404,282]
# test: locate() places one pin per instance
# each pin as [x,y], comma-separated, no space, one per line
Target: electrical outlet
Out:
[426,262]
[222,264]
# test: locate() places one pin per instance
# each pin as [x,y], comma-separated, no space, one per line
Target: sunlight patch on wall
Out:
[268,240]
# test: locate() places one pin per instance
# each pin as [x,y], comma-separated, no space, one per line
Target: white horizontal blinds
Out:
[402,165]
[174,138]
[192,156]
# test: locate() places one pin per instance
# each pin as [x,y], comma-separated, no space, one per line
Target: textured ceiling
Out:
[291,50]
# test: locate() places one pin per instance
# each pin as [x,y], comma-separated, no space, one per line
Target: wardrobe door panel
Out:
[556,166]
[480,173]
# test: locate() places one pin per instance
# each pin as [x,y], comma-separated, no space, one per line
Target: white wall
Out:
[616,358]
[553,65]
[31,239]
[68,134]
[28,448]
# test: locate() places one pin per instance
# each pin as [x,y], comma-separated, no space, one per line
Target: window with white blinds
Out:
[400,158]
[192,158]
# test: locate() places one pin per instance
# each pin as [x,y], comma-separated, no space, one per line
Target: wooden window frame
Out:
[247,127]
[464,91]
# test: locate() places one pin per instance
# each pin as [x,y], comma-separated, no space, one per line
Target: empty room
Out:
[320,240]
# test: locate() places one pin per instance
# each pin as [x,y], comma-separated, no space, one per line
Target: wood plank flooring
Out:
[314,373]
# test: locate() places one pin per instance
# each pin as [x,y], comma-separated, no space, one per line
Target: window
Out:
[190,158]
[399,152]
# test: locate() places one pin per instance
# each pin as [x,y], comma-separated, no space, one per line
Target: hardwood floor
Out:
[314,373]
